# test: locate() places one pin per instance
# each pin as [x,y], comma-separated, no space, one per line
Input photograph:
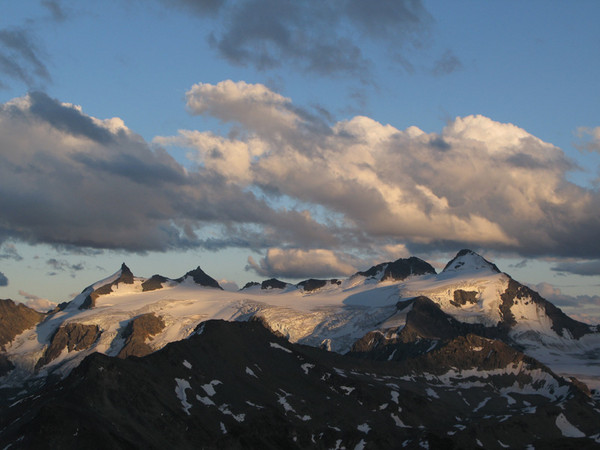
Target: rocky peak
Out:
[125,277]
[400,269]
[468,260]
[273,283]
[201,278]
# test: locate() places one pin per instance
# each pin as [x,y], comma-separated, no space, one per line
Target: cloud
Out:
[3,280]
[585,308]
[129,195]
[37,303]
[20,58]
[55,9]
[587,268]
[9,251]
[312,36]
[297,263]
[590,139]
[287,177]
[477,183]
[64,266]
[447,64]
[229,285]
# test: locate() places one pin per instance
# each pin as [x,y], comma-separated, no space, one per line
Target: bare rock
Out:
[74,337]
[136,333]
[14,319]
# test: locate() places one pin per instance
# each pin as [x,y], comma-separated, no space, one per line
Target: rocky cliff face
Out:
[14,319]
[136,333]
[73,337]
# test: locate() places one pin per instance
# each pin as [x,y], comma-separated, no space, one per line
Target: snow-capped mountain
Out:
[470,331]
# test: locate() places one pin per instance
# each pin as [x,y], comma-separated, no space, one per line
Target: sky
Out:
[263,138]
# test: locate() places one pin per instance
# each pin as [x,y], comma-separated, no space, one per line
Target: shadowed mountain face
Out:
[237,385]
[399,269]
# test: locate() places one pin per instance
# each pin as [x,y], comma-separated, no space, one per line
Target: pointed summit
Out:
[201,278]
[468,260]
[124,275]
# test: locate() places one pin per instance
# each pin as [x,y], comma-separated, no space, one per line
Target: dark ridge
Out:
[250,284]
[273,283]
[201,278]
[426,325]
[14,319]
[312,284]
[400,269]
[5,365]
[153,283]
[72,336]
[137,331]
[560,320]
[466,251]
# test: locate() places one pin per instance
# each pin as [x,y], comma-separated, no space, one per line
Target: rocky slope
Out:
[237,385]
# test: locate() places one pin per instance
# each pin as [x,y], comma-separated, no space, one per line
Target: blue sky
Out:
[263,138]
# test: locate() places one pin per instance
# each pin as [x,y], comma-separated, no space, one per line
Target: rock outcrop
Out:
[73,337]
[126,277]
[399,269]
[14,319]
[136,333]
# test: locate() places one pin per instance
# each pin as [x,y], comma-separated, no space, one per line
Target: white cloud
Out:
[297,263]
[477,183]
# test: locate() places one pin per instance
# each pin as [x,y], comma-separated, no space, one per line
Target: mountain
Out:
[237,385]
[467,341]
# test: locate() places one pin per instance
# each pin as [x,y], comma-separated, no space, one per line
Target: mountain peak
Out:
[201,278]
[399,270]
[468,260]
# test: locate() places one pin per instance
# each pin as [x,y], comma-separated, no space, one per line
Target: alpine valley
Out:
[397,356]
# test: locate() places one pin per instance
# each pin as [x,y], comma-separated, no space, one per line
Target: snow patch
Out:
[180,388]
[365,428]
[210,387]
[279,347]
[566,428]
[250,372]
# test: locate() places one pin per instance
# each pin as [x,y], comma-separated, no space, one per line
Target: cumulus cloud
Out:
[297,263]
[586,268]
[37,303]
[287,178]
[3,280]
[477,183]
[129,195]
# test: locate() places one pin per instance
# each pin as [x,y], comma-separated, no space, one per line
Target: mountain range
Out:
[395,356]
